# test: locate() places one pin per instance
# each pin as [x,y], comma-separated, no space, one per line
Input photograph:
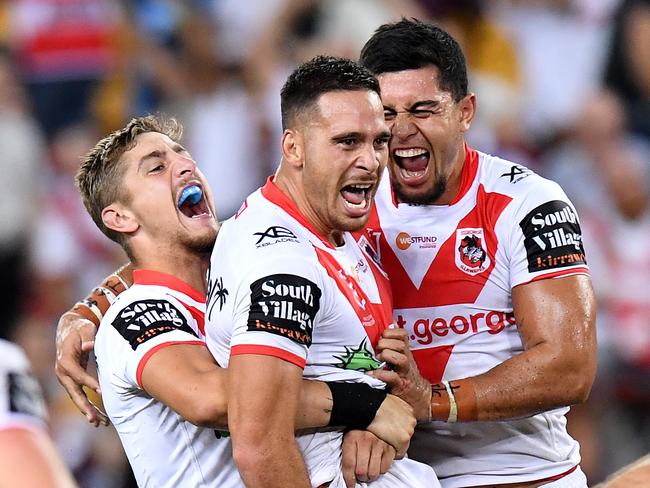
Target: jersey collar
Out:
[273,194]
[157,278]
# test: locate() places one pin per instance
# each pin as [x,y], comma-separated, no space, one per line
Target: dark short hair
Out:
[413,44]
[99,178]
[322,74]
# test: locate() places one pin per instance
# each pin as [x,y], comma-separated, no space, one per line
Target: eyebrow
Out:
[347,135]
[157,154]
[417,105]
[152,155]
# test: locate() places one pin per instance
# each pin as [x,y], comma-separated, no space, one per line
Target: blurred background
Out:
[563,86]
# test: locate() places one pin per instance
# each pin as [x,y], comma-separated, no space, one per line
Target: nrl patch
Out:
[285,305]
[552,237]
[471,253]
[146,319]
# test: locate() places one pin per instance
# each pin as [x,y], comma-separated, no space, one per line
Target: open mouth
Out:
[357,196]
[412,163]
[192,203]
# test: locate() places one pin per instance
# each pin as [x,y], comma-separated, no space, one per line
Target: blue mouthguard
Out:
[191,193]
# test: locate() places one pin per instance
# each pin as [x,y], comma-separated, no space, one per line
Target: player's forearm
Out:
[537,380]
[532,382]
[273,461]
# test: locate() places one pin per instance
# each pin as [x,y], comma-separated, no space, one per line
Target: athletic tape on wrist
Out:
[354,405]
[89,310]
[453,407]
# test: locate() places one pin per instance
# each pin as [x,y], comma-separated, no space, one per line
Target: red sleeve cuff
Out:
[559,274]
[268,351]
[155,349]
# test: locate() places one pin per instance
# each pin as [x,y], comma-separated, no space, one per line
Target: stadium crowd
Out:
[563,85]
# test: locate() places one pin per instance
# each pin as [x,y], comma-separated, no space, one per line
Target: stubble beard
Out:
[429,197]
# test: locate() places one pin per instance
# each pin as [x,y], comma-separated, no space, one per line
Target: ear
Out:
[293,148]
[467,107]
[118,218]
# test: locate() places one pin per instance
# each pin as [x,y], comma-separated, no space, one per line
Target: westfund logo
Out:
[552,237]
[285,305]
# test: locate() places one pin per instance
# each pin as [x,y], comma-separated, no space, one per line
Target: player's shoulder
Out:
[515,180]
[261,231]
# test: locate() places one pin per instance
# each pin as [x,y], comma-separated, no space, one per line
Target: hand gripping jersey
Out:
[277,288]
[164,450]
[21,401]
[452,268]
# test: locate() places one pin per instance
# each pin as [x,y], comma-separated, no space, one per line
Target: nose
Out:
[184,166]
[402,126]
[371,158]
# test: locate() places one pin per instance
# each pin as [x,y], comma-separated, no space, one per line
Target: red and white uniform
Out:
[21,401]
[452,268]
[164,450]
[277,288]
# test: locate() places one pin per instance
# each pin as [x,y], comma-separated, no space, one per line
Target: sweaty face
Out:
[427,128]
[345,153]
[169,196]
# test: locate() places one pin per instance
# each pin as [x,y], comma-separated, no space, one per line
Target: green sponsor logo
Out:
[358,358]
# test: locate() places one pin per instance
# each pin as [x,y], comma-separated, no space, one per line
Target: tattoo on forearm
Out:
[439,388]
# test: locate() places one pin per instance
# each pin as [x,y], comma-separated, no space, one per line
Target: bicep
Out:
[186,378]
[559,312]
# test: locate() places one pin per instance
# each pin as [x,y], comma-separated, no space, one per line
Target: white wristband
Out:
[453,407]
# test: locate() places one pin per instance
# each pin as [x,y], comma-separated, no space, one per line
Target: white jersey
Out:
[277,288]
[164,450]
[452,268]
[21,401]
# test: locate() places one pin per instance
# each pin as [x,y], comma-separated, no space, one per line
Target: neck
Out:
[190,267]
[296,194]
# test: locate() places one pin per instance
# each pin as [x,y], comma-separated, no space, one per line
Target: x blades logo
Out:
[275,235]
[517,173]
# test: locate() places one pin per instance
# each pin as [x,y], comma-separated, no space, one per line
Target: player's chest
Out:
[443,256]
[358,301]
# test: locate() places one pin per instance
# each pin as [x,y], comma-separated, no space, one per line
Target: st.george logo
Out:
[274,235]
[471,256]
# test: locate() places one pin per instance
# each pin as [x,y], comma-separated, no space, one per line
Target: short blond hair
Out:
[100,174]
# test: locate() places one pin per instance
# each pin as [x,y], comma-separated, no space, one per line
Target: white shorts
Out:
[404,473]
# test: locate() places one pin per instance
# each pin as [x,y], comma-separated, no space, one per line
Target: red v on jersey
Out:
[446,284]
[375,317]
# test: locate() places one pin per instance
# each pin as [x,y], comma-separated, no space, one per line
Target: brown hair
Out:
[100,175]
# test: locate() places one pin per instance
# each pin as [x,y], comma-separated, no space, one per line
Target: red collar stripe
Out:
[273,194]
[157,278]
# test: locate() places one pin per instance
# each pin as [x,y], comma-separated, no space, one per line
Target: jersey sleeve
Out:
[143,326]
[21,400]
[546,239]
[277,309]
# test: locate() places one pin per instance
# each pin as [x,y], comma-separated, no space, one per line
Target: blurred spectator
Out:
[69,254]
[20,156]
[64,48]
[628,67]
[561,45]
